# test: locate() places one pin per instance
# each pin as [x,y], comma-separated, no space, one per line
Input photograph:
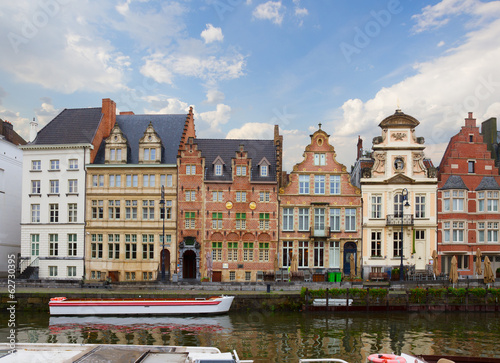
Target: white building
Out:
[10,194]
[397,175]
[53,197]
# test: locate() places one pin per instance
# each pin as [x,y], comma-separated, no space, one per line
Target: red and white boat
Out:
[211,305]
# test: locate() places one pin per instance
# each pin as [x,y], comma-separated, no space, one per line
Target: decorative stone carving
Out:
[379,165]
[399,136]
[377,140]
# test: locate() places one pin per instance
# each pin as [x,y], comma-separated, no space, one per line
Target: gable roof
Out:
[71,126]
[454,182]
[488,183]
[226,149]
[168,127]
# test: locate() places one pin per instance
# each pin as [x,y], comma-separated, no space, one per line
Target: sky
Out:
[247,65]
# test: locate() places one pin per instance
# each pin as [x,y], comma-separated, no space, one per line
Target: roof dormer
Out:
[150,147]
[264,167]
[218,165]
[116,147]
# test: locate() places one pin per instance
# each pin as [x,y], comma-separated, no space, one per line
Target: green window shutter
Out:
[243,216]
[219,215]
[214,215]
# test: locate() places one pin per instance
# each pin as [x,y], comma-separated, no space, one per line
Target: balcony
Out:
[320,232]
[398,220]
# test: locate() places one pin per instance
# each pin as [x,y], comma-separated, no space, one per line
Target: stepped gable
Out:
[168,127]
[226,149]
[71,126]
[488,183]
[454,182]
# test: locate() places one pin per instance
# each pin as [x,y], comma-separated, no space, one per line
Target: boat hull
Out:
[216,305]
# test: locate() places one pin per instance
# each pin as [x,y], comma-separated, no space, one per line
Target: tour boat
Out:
[212,305]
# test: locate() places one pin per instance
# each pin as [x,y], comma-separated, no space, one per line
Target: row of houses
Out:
[139,197]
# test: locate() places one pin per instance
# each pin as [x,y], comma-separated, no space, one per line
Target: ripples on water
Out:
[280,337]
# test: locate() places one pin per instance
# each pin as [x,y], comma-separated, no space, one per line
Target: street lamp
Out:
[404,196]
[162,257]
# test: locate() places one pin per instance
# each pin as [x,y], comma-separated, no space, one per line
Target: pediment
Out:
[218,160]
[150,136]
[400,179]
[116,136]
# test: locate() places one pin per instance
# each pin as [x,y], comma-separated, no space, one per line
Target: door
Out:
[165,262]
[114,276]
[216,276]
[350,249]
[189,265]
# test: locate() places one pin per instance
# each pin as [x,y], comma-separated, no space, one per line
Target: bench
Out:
[332,302]
[378,276]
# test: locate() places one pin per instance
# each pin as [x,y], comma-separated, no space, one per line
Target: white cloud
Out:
[212,34]
[161,104]
[46,112]
[270,10]
[214,96]
[441,43]
[218,117]
[252,130]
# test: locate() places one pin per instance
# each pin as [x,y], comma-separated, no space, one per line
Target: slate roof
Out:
[488,183]
[71,126]
[227,148]
[454,182]
[168,127]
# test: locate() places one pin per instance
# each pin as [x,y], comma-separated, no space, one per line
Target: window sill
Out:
[35,195]
[68,194]
[377,258]
[53,195]
[72,169]
[35,170]
[51,170]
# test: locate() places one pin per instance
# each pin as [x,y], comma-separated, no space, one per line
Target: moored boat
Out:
[211,305]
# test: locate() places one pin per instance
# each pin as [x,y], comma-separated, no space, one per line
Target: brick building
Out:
[468,198]
[320,213]
[228,208]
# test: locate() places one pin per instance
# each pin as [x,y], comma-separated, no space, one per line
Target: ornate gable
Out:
[116,147]
[400,179]
[150,147]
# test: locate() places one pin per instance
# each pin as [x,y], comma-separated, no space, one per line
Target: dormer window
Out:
[115,154]
[264,167]
[116,147]
[150,146]
[149,154]
[218,169]
[218,166]
[263,170]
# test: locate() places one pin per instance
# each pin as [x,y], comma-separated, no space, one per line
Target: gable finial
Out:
[319,125]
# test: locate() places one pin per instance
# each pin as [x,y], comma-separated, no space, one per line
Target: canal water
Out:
[278,336]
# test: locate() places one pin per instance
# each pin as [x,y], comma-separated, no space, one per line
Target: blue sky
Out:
[245,65]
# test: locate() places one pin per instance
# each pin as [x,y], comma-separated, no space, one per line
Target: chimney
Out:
[470,121]
[109,115]
[127,113]
[360,148]
[33,130]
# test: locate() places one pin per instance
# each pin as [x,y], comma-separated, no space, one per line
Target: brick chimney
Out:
[470,121]
[360,148]
[108,116]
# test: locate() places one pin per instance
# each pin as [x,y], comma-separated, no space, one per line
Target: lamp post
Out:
[404,196]
[162,257]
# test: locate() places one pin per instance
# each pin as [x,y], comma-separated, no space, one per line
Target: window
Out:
[115,181]
[453,231]
[53,244]
[148,180]
[232,251]
[131,209]
[471,166]
[190,169]
[114,209]
[216,220]
[130,246]
[54,165]
[398,205]
[319,219]
[131,180]
[218,169]
[52,271]
[72,212]
[36,165]
[420,206]
[248,251]
[264,221]
[232,276]
[150,154]
[397,244]
[492,231]
[453,201]
[241,196]
[147,275]
[190,220]
[97,209]
[471,138]
[241,170]
[35,213]
[303,254]
[335,219]
[420,235]
[96,246]
[190,195]
[113,246]
[217,251]
[350,219]
[319,253]
[217,196]
[73,186]
[72,246]
[263,170]
[319,184]
[35,187]
[335,184]
[54,213]
[492,201]
[319,159]
[169,180]
[168,240]
[54,187]
[167,210]
[376,244]
[97,180]
[376,206]
[248,275]
[263,251]
[480,231]
[287,219]
[303,219]
[115,154]
[287,251]
[334,254]
[148,246]
[73,164]
[303,184]
[264,196]
[148,209]
[241,222]
[35,245]
[71,271]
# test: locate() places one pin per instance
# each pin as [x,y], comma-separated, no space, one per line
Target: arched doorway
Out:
[165,263]
[189,265]
[350,249]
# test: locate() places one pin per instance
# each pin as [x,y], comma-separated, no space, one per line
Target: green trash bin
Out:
[338,276]
[331,276]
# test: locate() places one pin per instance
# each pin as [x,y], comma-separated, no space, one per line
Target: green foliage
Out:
[337,292]
[361,293]
[436,292]
[478,291]
[417,295]
[381,292]
[458,292]
[495,292]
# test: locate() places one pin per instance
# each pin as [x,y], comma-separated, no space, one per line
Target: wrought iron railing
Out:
[398,220]
[24,264]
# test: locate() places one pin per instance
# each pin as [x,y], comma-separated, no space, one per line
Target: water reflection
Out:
[281,337]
